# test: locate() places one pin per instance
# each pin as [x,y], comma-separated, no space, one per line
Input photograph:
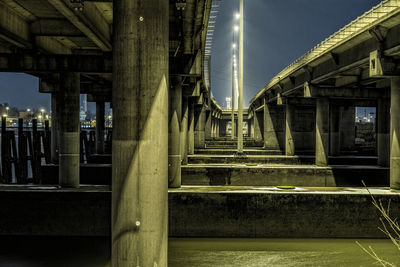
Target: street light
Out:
[7,109]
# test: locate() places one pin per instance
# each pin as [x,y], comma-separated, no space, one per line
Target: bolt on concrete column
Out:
[140,133]
[395,133]
[383,132]
[100,125]
[54,128]
[69,127]
[191,129]
[335,116]
[289,138]
[184,131]
[199,122]
[271,140]
[174,146]
[322,132]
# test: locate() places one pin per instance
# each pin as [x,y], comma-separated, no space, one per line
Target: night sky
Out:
[276,33]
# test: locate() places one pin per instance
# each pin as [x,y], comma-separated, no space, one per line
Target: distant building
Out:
[228,101]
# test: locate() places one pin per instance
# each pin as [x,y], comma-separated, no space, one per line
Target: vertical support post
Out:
[240,102]
[184,131]
[200,123]
[191,129]
[335,116]
[140,133]
[395,133]
[289,138]
[257,117]
[383,135]
[271,140]
[69,124]
[347,129]
[217,126]
[54,128]
[322,132]
[174,147]
[22,153]
[208,128]
[100,125]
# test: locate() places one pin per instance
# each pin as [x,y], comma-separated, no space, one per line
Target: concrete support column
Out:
[191,129]
[395,133]
[69,125]
[335,116]
[100,125]
[289,141]
[212,126]
[199,126]
[257,126]
[140,133]
[174,135]
[208,127]
[271,140]
[347,129]
[322,132]
[54,128]
[383,131]
[184,131]
[218,126]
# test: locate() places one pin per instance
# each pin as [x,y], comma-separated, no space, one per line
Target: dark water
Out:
[61,251]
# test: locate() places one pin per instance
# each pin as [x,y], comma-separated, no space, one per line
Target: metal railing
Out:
[383,10]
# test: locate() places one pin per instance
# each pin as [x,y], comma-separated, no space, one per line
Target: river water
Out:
[204,252]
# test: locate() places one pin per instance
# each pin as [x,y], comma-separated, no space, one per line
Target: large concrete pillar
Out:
[258,116]
[184,131]
[199,122]
[271,139]
[335,116]
[289,138]
[69,127]
[191,129]
[383,132]
[54,128]
[347,129]
[174,136]
[322,132]
[208,128]
[140,133]
[100,125]
[395,133]
[217,126]
[212,126]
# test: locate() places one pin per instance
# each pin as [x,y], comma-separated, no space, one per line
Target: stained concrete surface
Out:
[61,251]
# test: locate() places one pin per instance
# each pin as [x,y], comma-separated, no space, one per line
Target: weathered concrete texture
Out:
[289,139]
[229,214]
[202,212]
[140,143]
[304,128]
[347,129]
[274,175]
[233,144]
[334,138]
[395,134]
[231,151]
[258,127]
[191,129]
[174,135]
[69,126]
[274,127]
[383,131]
[199,126]
[322,132]
[184,131]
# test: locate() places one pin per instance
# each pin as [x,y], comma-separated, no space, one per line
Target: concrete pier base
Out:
[69,127]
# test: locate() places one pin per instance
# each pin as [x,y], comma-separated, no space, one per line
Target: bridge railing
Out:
[384,9]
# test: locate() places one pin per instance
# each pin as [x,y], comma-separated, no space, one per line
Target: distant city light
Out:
[237,15]
[233,45]
[236,28]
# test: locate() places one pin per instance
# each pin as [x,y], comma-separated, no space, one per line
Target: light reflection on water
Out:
[95,251]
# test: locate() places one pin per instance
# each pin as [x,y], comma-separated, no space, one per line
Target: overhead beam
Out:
[54,27]
[41,63]
[84,26]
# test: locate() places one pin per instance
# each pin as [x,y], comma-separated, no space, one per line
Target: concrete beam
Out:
[312,91]
[84,25]
[40,63]
[54,27]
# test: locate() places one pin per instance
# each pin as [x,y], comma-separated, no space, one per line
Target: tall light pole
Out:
[240,104]
[235,29]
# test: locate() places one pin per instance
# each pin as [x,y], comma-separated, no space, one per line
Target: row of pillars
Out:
[65,134]
[328,128]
